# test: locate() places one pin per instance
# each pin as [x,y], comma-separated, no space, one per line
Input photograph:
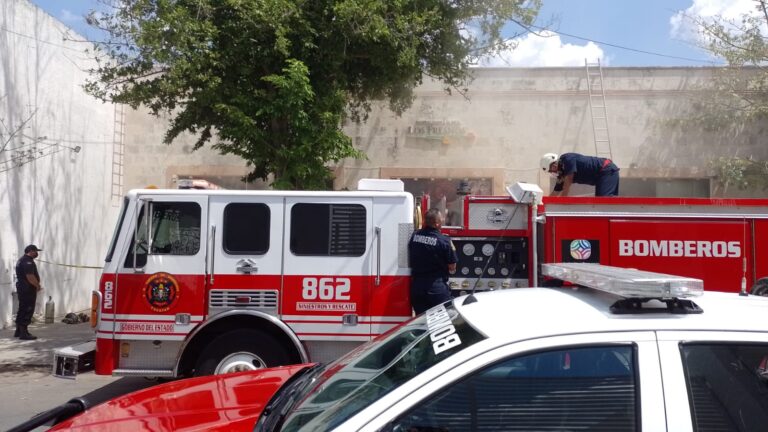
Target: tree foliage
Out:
[273,80]
[743,173]
[739,95]
[743,84]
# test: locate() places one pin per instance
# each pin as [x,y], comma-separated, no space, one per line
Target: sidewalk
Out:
[38,353]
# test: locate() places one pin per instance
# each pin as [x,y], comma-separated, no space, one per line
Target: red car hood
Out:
[221,402]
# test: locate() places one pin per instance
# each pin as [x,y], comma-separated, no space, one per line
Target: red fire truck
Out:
[724,242]
[200,282]
[215,281]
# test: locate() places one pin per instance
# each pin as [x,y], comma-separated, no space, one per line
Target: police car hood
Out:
[222,402]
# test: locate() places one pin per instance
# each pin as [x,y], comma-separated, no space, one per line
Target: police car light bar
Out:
[628,283]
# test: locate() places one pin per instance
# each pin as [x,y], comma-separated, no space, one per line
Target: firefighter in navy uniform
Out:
[27,286]
[431,257]
[571,168]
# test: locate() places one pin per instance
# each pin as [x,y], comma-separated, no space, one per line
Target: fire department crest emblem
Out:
[161,290]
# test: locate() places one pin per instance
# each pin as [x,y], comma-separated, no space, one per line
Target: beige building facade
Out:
[494,134]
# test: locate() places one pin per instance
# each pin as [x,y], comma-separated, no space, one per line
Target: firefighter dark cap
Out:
[32,248]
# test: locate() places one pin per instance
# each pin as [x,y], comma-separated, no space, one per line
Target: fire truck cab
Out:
[199,282]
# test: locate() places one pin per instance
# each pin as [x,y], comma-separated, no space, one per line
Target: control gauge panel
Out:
[489,263]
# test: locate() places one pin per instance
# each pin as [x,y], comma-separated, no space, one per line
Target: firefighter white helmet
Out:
[547,160]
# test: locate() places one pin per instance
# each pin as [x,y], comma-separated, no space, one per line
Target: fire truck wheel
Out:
[760,288]
[241,350]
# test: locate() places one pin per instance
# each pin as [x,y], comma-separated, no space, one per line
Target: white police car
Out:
[557,359]
[538,359]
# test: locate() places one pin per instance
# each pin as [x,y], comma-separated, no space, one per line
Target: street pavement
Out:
[26,380]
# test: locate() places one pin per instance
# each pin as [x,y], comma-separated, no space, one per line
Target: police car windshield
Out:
[366,374]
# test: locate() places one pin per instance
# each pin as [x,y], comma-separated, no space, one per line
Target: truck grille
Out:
[243,299]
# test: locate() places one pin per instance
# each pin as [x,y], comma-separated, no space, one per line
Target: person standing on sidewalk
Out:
[27,286]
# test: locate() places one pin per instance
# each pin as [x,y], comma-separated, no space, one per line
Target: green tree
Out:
[273,80]
[738,97]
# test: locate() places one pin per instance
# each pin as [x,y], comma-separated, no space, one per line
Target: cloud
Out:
[68,17]
[547,50]
[682,23]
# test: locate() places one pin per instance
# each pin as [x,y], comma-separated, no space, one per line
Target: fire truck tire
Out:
[760,288]
[241,350]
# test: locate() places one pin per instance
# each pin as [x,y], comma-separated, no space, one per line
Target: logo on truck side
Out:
[160,291]
[326,294]
[680,248]
[580,250]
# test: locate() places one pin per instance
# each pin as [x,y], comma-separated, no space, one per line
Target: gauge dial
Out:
[491,271]
[504,271]
[478,271]
[468,249]
[465,270]
[488,249]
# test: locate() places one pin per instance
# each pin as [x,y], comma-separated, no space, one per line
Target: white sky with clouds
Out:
[536,51]
[546,49]
[682,27]
[654,26]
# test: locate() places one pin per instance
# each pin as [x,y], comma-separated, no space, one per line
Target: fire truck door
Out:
[161,280]
[327,268]
[247,252]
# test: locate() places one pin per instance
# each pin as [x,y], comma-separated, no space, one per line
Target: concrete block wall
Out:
[511,116]
[150,162]
[62,199]
[498,129]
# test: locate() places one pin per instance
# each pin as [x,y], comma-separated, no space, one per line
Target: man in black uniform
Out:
[27,286]
[431,256]
[571,168]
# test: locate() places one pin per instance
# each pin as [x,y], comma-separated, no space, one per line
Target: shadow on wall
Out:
[680,146]
[61,201]
[11,192]
[7,288]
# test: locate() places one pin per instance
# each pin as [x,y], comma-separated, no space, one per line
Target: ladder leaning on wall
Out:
[598,109]
[118,154]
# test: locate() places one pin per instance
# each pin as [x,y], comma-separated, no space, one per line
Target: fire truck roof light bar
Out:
[628,283]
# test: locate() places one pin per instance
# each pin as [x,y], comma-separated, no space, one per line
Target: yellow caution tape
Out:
[71,265]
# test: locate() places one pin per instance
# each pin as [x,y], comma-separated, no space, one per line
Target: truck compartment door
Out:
[327,268]
[246,254]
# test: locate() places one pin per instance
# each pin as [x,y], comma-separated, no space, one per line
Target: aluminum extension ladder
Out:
[598,109]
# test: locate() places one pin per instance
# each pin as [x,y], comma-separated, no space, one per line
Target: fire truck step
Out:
[71,360]
[143,372]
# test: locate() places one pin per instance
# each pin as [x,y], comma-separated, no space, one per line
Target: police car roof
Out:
[523,313]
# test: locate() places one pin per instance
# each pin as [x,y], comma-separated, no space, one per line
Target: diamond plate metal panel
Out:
[490,216]
[403,235]
[464,285]
[145,354]
[322,351]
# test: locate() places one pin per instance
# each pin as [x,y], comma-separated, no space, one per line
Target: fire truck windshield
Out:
[116,233]
[356,380]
